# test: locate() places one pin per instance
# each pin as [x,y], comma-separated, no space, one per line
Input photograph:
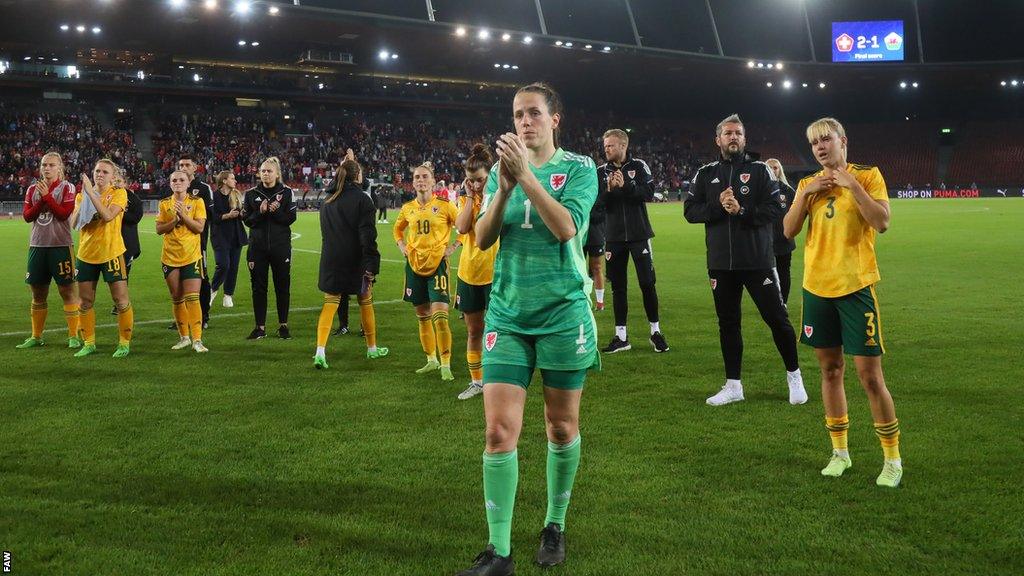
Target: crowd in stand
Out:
[310,148]
[80,139]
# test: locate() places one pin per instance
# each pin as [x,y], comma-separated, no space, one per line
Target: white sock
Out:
[479,383]
[897,462]
[655,327]
[432,359]
[371,349]
[733,383]
[620,331]
[842,453]
[320,350]
[600,295]
[794,373]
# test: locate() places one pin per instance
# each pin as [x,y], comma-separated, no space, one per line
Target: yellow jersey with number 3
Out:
[426,229]
[476,266]
[181,245]
[99,241]
[839,249]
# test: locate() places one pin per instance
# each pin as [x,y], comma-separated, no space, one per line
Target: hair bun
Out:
[480,149]
[428,165]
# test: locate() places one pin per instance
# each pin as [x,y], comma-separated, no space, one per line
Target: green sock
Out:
[501,476]
[563,460]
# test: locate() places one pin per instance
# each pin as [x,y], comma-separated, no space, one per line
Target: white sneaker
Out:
[385,220]
[797,394]
[198,346]
[228,301]
[213,296]
[727,395]
[473,390]
[183,343]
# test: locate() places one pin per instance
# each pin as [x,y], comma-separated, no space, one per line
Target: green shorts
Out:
[470,298]
[521,376]
[423,289]
[850,321]
[112,270]
[193,271]
[47,263]
[563,357]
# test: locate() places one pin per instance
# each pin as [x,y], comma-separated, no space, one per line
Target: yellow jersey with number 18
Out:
[99,241]
[839,249]
[426,229]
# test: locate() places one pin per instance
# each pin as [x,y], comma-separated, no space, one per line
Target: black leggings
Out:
[763,285]
[278,261]
[618,255]
[782,265]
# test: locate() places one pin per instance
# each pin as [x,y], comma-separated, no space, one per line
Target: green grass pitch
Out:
[248,461]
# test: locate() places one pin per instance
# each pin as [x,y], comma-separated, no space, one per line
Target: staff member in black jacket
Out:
[227,235]
[129,229]
[783,246]
[737,199]
[269,211]
[349,259]
[198,188]
[625,186]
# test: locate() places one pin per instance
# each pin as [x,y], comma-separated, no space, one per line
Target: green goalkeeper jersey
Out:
[541,285]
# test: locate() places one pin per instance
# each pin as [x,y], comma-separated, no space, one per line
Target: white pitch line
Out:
[166,320]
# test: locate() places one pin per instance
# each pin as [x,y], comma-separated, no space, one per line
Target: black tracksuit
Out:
[349,246]
[270,247]
[628,232]
[741,251]
[200,189]
[783,246]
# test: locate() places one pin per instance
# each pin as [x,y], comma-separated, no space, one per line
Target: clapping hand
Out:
[729,202]
[87,184]
[512,152]
[506,181]
[615,180]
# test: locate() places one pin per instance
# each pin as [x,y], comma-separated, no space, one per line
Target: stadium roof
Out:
[671,60]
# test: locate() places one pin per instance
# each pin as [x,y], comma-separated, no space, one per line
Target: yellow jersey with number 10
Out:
[426,229]
[839,250]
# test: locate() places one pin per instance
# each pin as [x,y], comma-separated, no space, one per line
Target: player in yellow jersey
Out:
[847,205]
[476,266]
[99,209]
[422,231]
[180,221]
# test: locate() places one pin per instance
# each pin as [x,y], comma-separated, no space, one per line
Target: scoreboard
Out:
[875,41]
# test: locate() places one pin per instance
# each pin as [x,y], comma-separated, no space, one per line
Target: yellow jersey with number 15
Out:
[839,249]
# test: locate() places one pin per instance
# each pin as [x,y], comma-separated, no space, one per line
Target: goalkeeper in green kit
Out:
[537,201]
